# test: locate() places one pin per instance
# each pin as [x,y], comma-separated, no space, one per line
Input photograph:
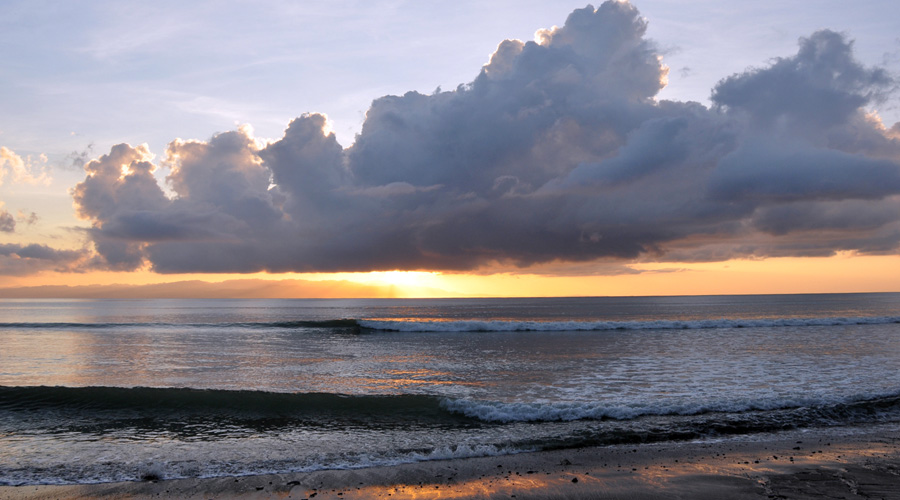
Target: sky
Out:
[473,148]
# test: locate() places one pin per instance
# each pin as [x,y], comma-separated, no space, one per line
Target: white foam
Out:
[463,451]
[546,326]
[493,411]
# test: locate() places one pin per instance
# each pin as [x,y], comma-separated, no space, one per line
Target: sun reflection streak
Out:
[494,487]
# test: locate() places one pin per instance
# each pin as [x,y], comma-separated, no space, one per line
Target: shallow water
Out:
[211,387]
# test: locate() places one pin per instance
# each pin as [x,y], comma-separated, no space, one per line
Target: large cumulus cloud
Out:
[558,151]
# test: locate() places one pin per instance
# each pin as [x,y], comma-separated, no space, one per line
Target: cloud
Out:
[558,151]
[23,260]
[7,222]
[247,288]
[22,171]
[792,93]
[27,218]
[762,172]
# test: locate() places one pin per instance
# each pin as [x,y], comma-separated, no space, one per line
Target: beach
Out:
[787,465]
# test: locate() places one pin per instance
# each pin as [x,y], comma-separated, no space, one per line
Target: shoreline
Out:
[818,463]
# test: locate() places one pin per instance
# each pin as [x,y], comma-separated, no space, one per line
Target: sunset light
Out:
[404,249]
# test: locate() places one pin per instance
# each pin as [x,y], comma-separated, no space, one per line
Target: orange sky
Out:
[842,273]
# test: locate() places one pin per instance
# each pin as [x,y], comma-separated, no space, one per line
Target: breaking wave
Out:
[546,326]
[440,325]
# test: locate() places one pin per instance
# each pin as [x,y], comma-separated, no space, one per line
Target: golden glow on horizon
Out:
[841,273]
[388,278]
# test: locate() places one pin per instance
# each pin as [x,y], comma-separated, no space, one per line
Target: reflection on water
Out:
[622,367]
[499,487]
[360,397]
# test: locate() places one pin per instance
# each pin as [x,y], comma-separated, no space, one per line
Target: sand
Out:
[791,465]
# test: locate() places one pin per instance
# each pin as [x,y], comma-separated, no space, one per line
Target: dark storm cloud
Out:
[556,152]
[846,215]
[21,260]
[823,86]
[766,172]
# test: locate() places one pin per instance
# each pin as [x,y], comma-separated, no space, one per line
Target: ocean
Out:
[118,390]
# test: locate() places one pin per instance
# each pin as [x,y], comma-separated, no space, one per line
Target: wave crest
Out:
[497,412]
[547,326]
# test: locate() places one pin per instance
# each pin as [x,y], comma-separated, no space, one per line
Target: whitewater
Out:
[110,390]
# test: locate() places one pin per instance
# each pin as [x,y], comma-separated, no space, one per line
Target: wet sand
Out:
[794,465]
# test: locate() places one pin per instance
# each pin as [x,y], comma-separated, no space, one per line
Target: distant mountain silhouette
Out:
[242,288]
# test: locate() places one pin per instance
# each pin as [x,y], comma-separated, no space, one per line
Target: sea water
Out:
[111,390]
